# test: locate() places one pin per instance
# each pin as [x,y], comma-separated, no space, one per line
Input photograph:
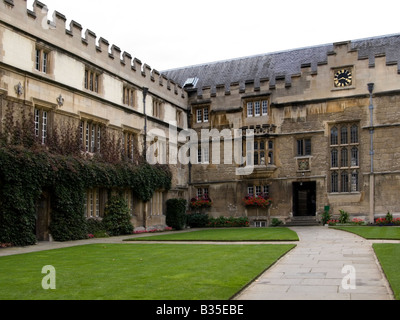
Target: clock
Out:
[343,78]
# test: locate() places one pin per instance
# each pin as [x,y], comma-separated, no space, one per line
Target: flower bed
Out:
[388,221]
[203,202]
[354,222]
[259,201]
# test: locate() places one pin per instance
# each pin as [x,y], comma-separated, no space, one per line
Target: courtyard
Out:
[208,265]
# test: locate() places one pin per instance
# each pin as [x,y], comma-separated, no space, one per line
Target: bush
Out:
[276,222]
[117,220]
[176,213]
[344,217]
[223,222]
[197,220]
[326,216]
[96,229]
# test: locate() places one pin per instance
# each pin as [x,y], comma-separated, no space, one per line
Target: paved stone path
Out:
[313,270]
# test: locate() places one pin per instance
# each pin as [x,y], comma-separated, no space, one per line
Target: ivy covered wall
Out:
[27,169]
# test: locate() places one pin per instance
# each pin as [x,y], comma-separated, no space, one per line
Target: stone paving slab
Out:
[314,270]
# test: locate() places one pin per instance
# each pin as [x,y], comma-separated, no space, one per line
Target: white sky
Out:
[168,34]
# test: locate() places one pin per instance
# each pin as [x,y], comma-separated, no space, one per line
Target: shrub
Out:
[223,222]
[176,213]
[94,226]
[326,216]
[117,220]
[197,220]
[389,218]
[276,222]
[344,217]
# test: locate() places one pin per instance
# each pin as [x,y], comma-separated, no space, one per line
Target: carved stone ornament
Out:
[303,164]
[60,101]
[19,89]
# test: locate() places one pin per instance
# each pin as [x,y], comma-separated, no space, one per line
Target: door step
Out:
[303,222]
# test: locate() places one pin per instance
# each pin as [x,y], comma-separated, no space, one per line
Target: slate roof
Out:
[281,64]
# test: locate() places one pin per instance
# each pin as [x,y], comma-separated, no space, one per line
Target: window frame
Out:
[256,190]
[42,122]
[259,153]
[344,159]
[257,107]
[42,60]
[304,147]
[92,80]
[202,114]
[91,134]
[129,96]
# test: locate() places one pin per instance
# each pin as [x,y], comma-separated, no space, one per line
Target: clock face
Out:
[343,78]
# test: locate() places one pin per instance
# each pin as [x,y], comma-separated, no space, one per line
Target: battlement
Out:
[291,69]
[94,50]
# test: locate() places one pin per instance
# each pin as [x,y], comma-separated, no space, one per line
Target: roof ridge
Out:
[277,52]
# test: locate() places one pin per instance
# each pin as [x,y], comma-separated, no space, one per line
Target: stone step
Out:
[303,221]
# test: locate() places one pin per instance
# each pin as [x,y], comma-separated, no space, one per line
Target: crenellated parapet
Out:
[294,72]
[86,45]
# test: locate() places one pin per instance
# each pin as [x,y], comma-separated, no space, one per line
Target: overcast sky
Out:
[168,34]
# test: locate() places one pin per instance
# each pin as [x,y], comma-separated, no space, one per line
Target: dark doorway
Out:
[43,218]
[304,199]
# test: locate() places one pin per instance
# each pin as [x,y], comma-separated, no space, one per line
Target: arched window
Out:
[344,135]
[354,157]
[334,159]
[334,182]
[344,158]
[344,179]
[354,134]
[355,181]
[334,136]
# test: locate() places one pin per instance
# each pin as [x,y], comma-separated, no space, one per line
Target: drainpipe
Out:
[372,152]
[145,91]
[145,209]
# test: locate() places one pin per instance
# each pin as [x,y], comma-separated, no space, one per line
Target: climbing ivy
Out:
[25,174]
[28,169]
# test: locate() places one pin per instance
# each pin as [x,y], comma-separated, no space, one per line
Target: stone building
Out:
[326,122]
[59,77]
[325,119]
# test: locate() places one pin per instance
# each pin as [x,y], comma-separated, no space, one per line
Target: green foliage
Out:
[276,222]
[231,222]
[326,216]
[197,220]
[344,217]
[26,173]
[176,213]
[117,220]
[389,218]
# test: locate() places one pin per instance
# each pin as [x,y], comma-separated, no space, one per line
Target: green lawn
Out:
[235,234]
[138,271]
[389,258]
[374,233]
